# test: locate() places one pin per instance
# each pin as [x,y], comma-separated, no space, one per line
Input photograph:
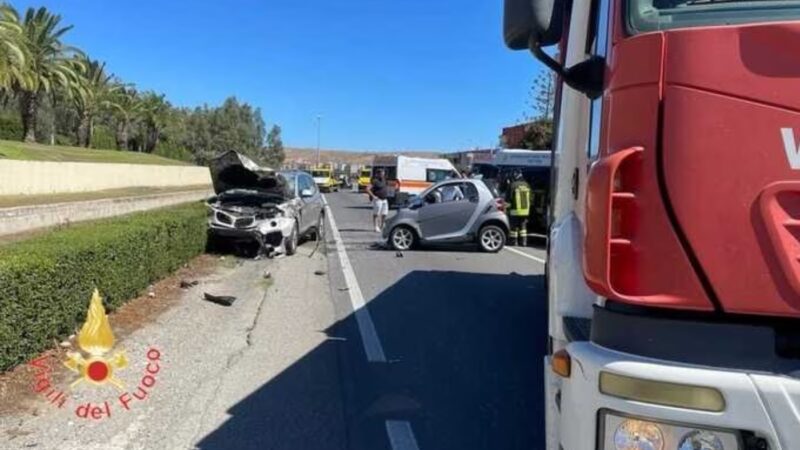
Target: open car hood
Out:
[234,171]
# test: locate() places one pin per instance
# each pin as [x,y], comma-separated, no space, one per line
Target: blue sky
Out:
[383,74]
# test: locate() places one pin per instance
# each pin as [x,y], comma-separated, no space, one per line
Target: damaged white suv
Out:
[276,209]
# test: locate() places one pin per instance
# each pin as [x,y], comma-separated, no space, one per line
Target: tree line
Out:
[538,119]
[54,93]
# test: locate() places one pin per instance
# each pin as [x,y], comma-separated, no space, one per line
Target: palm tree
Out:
[50,65]
[96,89]
[127,105]
[154,115]
[12,50]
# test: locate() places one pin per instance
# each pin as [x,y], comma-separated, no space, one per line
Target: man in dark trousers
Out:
[377,192]
[518,196]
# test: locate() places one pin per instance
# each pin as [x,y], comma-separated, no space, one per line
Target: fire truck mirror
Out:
[525,21]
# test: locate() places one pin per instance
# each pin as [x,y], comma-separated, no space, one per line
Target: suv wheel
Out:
[291,242]
[319,229]
[491,238]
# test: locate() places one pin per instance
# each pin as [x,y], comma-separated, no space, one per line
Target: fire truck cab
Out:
[674,243]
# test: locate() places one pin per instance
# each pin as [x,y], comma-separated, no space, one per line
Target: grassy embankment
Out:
[39,152]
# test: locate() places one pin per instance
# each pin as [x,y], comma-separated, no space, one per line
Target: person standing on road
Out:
[518,196]
[377,192]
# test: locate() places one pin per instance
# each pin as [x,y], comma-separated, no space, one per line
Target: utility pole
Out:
[319,126]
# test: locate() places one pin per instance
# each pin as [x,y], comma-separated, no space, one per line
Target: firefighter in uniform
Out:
[518,196]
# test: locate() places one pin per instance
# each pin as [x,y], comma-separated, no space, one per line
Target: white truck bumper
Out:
[766,405]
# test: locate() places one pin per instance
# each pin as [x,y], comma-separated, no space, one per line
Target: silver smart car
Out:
[452,211]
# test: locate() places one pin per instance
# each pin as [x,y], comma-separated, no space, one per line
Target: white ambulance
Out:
[407,176]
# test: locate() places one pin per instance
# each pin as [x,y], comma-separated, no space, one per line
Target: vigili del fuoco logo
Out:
[97,364]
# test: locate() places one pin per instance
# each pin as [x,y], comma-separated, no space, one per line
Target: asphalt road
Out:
[462,334]
[345,347]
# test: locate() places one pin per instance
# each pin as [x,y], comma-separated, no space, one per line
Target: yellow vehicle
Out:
[364,177]
[323,177]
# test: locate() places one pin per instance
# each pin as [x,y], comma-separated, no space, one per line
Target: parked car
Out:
[274,209]
[452,211]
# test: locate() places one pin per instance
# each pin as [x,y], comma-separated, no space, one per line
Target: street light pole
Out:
[319,126]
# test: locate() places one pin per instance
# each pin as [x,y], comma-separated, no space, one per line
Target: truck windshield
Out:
[653,15]
[320,173]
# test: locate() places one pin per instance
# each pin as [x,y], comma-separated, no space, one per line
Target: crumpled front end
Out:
[253,203]
[250,216]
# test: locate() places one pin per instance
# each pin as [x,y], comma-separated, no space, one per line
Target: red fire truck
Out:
[674,251]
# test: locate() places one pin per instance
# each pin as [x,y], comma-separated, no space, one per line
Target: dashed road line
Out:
[526,255]
[369,336]
[401,436]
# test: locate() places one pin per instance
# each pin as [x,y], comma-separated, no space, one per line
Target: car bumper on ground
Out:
[756,406]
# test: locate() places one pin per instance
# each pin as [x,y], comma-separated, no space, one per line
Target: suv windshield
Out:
[653,15]
[291,180]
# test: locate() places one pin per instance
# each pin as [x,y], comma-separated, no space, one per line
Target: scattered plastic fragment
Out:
[224,300]
[187,284]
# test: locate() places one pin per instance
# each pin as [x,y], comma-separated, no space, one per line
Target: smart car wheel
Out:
[402,238]
[491,238]
[292,240]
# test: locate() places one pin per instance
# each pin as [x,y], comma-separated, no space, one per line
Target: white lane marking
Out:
[525,255]
[401,436]
[369,336]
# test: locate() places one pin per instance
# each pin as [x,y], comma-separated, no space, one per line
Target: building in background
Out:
[514,136]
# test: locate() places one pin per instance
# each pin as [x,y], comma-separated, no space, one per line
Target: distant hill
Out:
[302,156]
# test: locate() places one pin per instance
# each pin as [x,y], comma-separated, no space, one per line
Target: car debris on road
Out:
[224,300]
[188,284]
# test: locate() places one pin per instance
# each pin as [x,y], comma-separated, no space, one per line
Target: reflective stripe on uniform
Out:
[522,201]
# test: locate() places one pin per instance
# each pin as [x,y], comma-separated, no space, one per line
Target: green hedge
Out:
[46,282]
